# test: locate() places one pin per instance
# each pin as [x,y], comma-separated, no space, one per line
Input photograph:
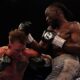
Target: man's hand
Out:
[25,27]
[53,38]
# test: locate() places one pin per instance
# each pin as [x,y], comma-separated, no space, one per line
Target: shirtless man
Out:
[65,39]
[36,69]
[64,36]
[14,58]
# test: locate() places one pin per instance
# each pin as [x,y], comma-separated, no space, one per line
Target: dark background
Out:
[12,12]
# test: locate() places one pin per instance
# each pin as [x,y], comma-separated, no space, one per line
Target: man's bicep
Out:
[75,32]
[75,37]
[43,44]
[30,52]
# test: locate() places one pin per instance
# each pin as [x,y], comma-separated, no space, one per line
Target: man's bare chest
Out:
[20,63]
[63,32]
[16,66]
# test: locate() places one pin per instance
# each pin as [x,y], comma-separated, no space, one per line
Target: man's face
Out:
[51,14]
[17,48]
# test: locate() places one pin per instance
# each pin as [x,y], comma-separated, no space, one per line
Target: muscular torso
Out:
[69,31]
[65,66]
[15,70]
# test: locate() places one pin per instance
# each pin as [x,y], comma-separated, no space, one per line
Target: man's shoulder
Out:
[75,22]
[3,50]
[75,25]
[30,52]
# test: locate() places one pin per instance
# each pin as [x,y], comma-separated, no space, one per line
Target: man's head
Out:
[52,12]
[55,14]
[17,41]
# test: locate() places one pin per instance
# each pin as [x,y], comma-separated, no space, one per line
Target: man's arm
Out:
[40,46]
[5,59]
[70,45]
[32,43]
[73,46]
[30,53]
[3,50]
